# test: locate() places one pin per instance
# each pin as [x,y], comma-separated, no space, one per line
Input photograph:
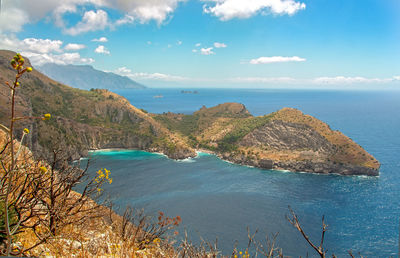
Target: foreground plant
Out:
[35,196]
[9,181]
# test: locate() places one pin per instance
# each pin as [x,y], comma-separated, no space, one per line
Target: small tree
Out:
[35,195]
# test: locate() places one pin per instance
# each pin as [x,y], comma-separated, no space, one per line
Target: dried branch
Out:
[295,222]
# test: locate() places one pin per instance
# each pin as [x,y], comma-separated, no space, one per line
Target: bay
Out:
[220,199]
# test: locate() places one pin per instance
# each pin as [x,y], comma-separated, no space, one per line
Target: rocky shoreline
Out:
[292,166]
[304,166]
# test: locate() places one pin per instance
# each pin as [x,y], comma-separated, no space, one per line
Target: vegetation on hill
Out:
[286,139]
[85,119]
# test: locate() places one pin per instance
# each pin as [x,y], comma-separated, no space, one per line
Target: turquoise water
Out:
[220,199]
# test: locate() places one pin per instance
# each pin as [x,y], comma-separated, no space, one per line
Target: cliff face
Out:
[286,139]
[83,120]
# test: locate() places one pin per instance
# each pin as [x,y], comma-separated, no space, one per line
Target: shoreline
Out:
[208,152]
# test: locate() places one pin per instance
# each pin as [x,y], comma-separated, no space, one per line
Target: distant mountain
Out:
[86,77]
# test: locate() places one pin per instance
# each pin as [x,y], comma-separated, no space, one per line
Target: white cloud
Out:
[220,45]
[75,47]
[62,59]
[207,51]
[41,45]
[158,77]
[123,71]
[276,59]
[17,13]
[352,80]
[272,81]
[198,45]
[194,50]
[229,9]
[102,39]
[147,10]
[30,44]
[334,81]
[127,19]
[179,43]
[41,51]
[91,21]
[149,42]
[102,50]
[150,76]
[12,20]
[264,80]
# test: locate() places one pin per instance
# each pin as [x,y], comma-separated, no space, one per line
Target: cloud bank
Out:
[15,14]
[276,59]
[41,51]
[229,9]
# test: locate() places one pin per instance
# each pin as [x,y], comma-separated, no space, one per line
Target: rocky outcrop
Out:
[284,140]
[302,166]
[224,110]
[279,135]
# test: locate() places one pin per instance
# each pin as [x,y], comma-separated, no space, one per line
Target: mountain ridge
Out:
[87,77]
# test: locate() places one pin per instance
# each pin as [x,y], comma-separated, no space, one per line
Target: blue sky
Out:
[346,44]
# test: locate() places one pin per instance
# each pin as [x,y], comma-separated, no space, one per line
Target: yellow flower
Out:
[29,69]
[43,169]
[46,116]
[26,130]
[13,63]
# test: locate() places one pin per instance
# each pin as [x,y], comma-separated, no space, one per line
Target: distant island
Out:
[189,92]
[98,119]
[86,77]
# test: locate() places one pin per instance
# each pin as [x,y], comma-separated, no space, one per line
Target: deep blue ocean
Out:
[220,200]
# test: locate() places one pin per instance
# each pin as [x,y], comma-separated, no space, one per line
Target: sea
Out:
[225,201]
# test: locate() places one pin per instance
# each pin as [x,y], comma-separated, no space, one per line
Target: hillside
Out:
[96,119]
[286,139]
[86,77]
[83,120]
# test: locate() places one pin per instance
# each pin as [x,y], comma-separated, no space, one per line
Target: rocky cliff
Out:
[284,140]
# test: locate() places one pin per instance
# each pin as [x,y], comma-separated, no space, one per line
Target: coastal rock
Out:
[279,135]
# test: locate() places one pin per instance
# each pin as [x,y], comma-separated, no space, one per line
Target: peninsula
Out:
[97,119]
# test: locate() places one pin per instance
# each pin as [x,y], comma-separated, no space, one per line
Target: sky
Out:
[343,44]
